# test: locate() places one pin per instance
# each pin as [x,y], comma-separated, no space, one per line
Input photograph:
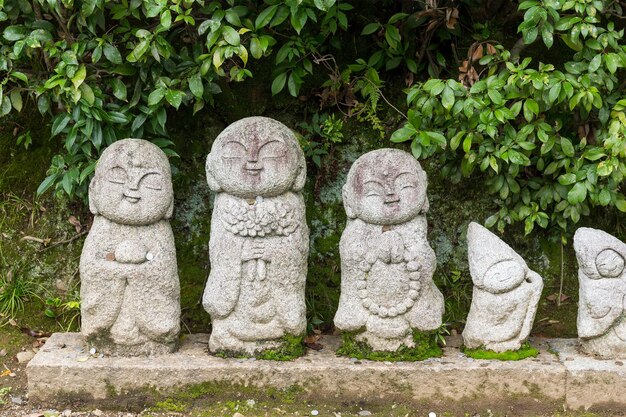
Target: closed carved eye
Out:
[609,263]
[373,188]
[272,149]
[234,150]
[117,175]
[152,181]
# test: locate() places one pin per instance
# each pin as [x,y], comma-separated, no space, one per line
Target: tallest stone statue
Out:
[259,238]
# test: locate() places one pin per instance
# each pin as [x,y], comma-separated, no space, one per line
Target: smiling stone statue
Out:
[602,297]
[505,297]
[387,265]
[259,237]
[129,279]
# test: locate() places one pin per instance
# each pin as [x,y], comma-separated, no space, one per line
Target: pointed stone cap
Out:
[484,250]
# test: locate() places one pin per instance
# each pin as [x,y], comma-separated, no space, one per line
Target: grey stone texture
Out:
[63,369]
[505,296]
[602,280]
[387,265]
[259,237]
[129,278]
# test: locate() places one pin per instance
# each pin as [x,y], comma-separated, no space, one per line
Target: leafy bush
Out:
[547,138]
[105,70]
[550,140]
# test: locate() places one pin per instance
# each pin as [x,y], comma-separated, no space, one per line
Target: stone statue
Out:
[602,295]
[129,278]
[387,265]
[259,238]
[505,297]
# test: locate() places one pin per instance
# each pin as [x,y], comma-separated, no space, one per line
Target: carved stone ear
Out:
[298,183]
[425,206]
[92,204]
[170,210]
[348,199]
[210,179]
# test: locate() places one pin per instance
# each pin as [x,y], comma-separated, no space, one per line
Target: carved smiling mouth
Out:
[392,202]
[253,170]
[131,199]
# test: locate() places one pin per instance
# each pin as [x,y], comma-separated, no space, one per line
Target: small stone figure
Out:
[505,297]
[602,295]
[129,278]
[259,238]
[387,265]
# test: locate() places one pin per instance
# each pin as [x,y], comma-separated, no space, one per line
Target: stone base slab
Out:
[64,370]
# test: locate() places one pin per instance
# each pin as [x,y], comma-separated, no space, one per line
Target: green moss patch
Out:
[292,347]
[426,346]
[526,351]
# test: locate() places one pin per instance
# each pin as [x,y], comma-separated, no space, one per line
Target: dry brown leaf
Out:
[452,16]
[74,222]
[491,50]
[478,53]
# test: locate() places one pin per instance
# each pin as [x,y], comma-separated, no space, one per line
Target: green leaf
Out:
[43,104]
[79,76]
[612,61]
[59,123]
[87,93]
[265,16]
[577,194]
[195,85]
[16,100]
[567,147]
[370,28]
[595,63]
[15,33]
[392,36]
[279,83]
[174,97]
[324,5]
[447,98]
[119,89]
[156,96]
[140,49]
[567,179]
[166,19]
[291,85]
[621,205]
[231,35]
[45,184]
[255,48]
[403,134]
[604,198]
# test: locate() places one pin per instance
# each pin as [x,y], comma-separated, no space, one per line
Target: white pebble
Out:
[431,414]
[149,256]
[314,412]
[92,351]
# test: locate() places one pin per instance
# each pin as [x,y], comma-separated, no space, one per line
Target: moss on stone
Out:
[426,346]
[526,351]
[292,347]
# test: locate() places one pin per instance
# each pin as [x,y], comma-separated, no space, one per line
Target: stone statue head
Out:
[385,186]
[495,267]
[132,184]
[256,156]
[599,254]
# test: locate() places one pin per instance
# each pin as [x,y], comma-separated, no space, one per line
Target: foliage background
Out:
[544,139]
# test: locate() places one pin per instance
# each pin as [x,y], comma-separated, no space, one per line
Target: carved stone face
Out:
[132,184]
[254,157]
[386,186]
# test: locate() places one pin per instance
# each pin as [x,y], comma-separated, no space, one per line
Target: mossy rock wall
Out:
[452,207]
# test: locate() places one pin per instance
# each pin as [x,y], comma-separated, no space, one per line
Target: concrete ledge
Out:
[63,370]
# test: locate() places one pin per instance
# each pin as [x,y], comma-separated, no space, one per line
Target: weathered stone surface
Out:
[386,262]
[505,297]
[25,356]
[602,280]
[591,383]
[57,372]
[129,280]
[259,237]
